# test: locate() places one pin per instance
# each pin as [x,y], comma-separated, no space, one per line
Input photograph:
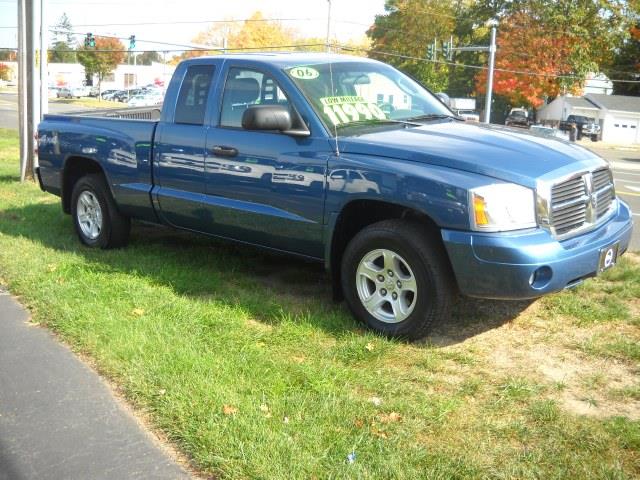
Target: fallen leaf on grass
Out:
[162,391]
[138,312]
[390,417]
[370,347]
[377,401]
[265,409]
[379,433]
[52,267]
[229,410]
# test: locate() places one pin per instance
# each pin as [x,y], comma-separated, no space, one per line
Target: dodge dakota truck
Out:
[347,161]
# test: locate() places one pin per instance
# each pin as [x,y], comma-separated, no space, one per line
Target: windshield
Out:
[363,94]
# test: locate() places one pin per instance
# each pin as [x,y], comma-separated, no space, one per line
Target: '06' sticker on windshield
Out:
[347,109]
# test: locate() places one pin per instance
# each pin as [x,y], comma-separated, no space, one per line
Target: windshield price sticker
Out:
[304,73]
[347,109]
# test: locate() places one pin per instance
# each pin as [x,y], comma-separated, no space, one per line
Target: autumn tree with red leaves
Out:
[527,47]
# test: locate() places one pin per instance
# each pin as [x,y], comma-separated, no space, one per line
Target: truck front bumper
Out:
[531,263]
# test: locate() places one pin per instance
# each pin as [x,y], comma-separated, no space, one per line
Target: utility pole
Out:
[22,83]
[28,94]
[329,26]
[44,81]
[492,58]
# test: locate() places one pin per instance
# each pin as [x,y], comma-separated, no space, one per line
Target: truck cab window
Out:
[244,88]
[194,92]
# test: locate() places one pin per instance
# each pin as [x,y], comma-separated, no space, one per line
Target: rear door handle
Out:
[223,151]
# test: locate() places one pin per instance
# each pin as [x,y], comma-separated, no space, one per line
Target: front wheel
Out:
[396,278]
[96,218]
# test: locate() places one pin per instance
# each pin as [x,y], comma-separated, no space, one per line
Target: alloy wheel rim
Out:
[386,285]
[89,215]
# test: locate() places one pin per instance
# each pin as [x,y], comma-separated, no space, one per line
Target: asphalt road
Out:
[626,172]
[625,161]
[9,109]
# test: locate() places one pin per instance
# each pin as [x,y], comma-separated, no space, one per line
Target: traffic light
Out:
[132,42]
[90,41]
[431,52]
[446,50]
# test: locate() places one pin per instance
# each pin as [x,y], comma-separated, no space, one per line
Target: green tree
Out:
[147,58]
[8,55]
[103,58]
[406,28]
[565,39]
[626,65]
[4,72]
[63,42]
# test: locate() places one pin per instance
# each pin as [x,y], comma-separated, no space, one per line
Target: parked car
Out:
[125,95]
[587,126]
[470,115]
[71,92]
[52,92]
[518,117]
[108,94]
[145,100]
[413,206]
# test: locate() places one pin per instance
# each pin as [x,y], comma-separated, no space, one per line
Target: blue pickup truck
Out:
[346,161]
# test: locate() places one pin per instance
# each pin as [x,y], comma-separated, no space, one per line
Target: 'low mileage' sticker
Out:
[347,109]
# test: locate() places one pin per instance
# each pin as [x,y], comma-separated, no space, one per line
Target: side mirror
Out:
[270,117]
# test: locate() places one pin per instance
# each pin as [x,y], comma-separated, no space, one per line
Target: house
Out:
[621,117]
[618,115]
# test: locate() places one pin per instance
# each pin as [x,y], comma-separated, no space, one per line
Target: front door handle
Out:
[223,151]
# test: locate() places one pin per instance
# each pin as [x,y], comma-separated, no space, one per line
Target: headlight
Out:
[502,206]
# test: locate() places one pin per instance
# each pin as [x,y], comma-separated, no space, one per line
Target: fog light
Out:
[541,277]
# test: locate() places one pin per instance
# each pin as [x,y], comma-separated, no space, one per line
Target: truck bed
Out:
[121,141]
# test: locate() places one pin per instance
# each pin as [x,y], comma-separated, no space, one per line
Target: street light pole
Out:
[492,58]
[44,82]
[329,26]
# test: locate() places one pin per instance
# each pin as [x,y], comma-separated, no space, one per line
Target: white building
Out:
[618,115]
[123,77]
[129,76]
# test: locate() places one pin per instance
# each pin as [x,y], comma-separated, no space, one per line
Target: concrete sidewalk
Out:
[58,420]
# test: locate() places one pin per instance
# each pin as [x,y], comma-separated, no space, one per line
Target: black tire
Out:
[114,228]
[426,257]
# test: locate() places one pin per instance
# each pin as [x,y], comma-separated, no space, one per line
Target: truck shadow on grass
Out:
[270,287]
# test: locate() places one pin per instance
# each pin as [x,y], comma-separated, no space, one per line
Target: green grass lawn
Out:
[89,102]
[244,363]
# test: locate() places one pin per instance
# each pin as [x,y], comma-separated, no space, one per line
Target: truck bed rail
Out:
[133,113]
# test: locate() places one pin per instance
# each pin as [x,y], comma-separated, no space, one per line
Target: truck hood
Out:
[504,153]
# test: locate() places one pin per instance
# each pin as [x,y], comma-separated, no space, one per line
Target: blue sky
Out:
[351,17]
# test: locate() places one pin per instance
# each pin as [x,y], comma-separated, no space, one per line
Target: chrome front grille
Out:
[569,205]
[580,202]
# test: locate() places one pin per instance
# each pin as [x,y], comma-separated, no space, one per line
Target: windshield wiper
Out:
[373,123]
[431,116]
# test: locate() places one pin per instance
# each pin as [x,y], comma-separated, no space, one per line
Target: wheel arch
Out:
[360,213]
[76,167]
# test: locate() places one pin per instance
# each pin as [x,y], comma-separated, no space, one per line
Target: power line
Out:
[476,67]
[188,22]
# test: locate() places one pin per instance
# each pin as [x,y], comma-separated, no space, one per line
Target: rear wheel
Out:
[396,279]
[96,218]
